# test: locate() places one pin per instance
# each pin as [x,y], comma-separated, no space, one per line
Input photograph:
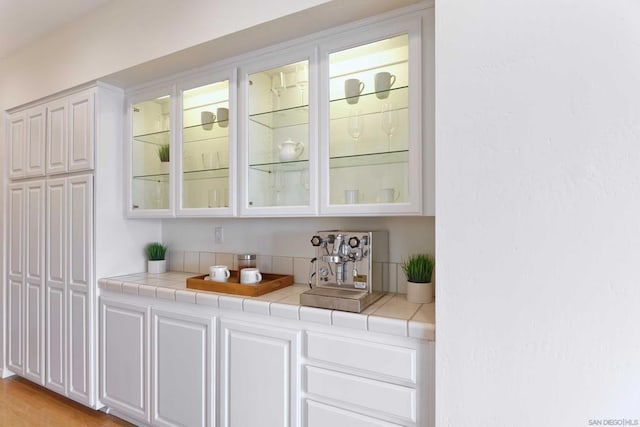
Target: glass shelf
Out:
[369,103]
[282,118]
[155,177]
[293,166]
[156,138]
[369,159]
[203,174]
[197,133]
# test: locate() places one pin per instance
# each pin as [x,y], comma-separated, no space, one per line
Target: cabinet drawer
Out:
[397,362]
[377,396]
[320,415]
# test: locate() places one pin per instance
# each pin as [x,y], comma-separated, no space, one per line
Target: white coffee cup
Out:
[351,197]
[383,82]
[352,90]
[222,117]
[206,119]
[219,273]
[388,195]
[249,276]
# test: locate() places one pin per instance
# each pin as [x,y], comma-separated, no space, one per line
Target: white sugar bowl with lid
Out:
[290,150]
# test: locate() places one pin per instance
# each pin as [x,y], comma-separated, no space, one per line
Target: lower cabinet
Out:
[259,378]
[183,380]
[124,358]
[178,364]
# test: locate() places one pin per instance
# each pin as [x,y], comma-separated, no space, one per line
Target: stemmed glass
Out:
[278,85]
[389,121]
[355,125]
[302,79]
[279,184]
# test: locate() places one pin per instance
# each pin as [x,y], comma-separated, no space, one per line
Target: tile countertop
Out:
[392,314]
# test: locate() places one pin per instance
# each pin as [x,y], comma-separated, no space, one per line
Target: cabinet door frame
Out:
[262,331]
[81,132]
[57,140]
[16,139]
[36,122]
[412,26]
[205,325]
[142,312]
[306,52]
[34,290]
[135,98]
[56,285]
[229,74]
[15,317]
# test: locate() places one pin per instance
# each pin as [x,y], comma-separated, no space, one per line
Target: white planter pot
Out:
[157,267]
[420,293]
[165,167]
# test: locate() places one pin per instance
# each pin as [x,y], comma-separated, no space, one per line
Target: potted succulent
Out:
[163,153]
[418,268]
[156,258]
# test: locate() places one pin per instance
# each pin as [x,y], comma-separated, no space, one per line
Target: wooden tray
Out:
[270,282]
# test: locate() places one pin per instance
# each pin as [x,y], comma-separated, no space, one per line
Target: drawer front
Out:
[321,415]
[397,362]
[375,396]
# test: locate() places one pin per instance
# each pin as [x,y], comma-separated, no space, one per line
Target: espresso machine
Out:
[341,274]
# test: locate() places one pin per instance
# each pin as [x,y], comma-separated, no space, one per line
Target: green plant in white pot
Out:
[163,154]
[419,268]
[156,262]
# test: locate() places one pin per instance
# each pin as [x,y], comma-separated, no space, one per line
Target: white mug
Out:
[352,90]
[219,273]
[388,195]
[206,119]
[383,82]
[351,197]
[250,276]
[222,117]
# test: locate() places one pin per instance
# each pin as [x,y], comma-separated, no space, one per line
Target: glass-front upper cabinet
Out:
[278,151]
[372,146]
[207,187]
[150,154]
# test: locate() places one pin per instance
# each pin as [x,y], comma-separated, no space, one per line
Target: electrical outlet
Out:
[219,235]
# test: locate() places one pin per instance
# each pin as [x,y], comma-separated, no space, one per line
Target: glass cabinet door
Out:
[150,156]
[205,162]
[277,151]
[373,140]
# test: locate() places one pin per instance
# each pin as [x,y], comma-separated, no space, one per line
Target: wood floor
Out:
[23,403]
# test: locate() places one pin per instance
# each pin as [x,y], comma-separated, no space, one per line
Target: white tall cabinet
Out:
[63,216]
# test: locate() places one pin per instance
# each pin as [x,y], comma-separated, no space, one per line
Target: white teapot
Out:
[290,150]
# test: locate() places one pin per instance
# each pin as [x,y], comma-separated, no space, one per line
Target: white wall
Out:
[538,212]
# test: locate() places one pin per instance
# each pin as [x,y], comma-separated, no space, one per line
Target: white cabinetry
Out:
[124,358]
[183,365]
[54,225]
[259,374]
[337,124]
[160,372]
[69,313]
[26,280]
[26,141]
[70,133]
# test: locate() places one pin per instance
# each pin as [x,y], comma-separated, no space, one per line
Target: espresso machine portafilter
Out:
[341,275]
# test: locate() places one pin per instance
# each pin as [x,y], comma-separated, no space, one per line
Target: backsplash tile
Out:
[176,260]
[191,262]
[226,259]
[263,262]
[207,259]
[301,270]
[282,265]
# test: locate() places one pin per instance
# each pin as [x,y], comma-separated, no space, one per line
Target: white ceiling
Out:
[23,21]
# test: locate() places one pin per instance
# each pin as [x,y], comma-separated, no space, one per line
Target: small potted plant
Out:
[418,268]
[155,255]
[163,154]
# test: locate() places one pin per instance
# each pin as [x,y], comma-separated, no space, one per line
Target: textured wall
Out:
[538,208]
